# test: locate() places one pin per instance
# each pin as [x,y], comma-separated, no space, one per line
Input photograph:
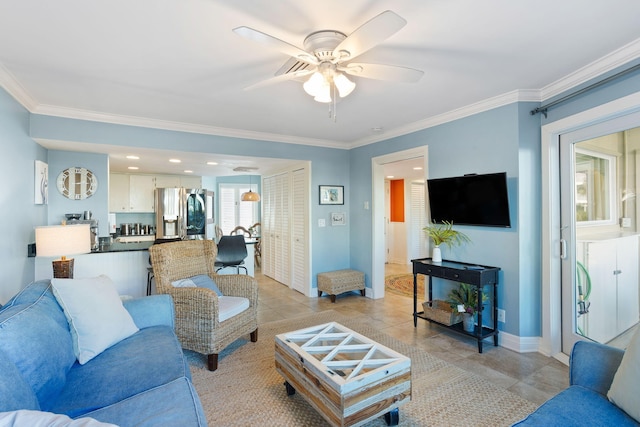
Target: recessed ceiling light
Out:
[417,168]
[131,157]
[212,163]
[390,176]
[188,171]
[175,160]
[133,168]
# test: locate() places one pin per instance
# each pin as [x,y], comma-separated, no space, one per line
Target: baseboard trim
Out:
[519,344]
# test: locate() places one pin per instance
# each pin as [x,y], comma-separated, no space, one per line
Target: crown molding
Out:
[16,90]
[71,113]
[526,95]
[613,60]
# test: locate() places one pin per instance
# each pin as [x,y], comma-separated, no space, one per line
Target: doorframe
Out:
[551,340]
[378,211]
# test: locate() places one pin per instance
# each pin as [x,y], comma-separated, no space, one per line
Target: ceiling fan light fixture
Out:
[314,85]
[324,95]
[343,84]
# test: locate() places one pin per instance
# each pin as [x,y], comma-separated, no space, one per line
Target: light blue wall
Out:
[503,139]
[18,212]
[329,166]
[98,204]
[483,143]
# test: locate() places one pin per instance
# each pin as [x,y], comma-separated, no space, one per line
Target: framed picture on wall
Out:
[332,194]
[338,218]
[41,181]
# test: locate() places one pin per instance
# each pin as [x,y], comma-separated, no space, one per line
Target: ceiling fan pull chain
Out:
[334,104]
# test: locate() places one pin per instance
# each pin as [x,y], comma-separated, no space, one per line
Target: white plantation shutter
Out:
[234,212]
[418,221]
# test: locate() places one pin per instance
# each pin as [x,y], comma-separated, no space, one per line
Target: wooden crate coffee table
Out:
[348,378]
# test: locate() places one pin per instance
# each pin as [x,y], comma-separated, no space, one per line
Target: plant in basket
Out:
[465,300]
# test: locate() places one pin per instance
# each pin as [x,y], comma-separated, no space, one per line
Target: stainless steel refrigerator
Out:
[184,213]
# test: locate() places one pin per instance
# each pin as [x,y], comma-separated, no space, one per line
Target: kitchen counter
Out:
[125,263]
[124,247]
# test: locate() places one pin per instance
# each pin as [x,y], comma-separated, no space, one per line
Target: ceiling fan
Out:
[327,56]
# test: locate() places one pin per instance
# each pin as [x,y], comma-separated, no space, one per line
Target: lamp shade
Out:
[62,240]
[250,196]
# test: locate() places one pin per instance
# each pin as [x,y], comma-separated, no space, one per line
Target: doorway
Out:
[380,217]
[555,235]
[599,222]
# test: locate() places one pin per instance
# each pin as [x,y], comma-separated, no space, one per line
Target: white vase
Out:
[437,255]
[468,322]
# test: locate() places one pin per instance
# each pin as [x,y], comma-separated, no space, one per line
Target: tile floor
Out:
[531,375]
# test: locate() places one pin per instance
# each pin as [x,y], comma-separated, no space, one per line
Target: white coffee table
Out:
[348,378]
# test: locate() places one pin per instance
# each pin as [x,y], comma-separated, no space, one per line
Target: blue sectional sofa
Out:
[591,370]
[143,380]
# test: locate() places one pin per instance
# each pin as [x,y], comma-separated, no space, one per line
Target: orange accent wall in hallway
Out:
[397,200]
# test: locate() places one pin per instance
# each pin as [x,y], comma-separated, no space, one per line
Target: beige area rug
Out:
[403,284]
[246,389]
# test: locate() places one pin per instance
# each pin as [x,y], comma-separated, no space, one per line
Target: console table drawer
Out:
[430,270]
[464,276]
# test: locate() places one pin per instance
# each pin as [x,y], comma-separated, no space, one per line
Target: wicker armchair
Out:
[197,324]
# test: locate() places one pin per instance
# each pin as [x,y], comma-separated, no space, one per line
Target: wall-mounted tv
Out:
[470,200]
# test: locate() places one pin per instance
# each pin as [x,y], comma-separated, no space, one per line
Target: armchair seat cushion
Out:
[231,306]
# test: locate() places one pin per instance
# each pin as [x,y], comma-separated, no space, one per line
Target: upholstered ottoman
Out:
[337,282]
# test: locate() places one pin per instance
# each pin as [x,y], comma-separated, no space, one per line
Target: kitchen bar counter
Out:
[125,263]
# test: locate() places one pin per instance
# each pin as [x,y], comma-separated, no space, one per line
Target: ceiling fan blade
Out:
[282,46]
[369,34]
[281,78]
[383,72]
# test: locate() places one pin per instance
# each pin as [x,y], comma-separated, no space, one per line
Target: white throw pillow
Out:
[626,383]
[27,418]
[96,316]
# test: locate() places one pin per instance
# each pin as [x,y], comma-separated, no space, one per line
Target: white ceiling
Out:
[178,64]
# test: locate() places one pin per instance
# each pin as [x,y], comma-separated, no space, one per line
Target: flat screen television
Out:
[470,200]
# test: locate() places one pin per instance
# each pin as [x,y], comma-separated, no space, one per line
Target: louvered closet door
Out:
[418,222]
[267,226]
[282,262]
[299,225]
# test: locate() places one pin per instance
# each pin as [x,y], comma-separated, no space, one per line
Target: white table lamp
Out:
[63,240]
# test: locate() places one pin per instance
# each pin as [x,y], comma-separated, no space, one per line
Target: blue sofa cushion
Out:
[168,405]
[37,339]
[578,406]
[145,360]
[15,393]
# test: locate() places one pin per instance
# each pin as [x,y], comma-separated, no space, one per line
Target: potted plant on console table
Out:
[465,300]
[444,234]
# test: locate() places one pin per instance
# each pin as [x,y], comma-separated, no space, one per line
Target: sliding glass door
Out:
[600,229]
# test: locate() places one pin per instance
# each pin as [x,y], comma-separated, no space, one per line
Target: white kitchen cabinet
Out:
[118,192]
[141,193]
[167,181]
[131,193]
[191,182]
[612,267]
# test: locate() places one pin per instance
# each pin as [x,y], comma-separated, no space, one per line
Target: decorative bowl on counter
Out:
[73,216]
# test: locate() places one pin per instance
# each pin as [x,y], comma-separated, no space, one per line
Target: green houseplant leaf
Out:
[445,234]
[467,296]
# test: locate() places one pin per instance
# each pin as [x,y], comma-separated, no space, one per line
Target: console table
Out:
[472,274]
